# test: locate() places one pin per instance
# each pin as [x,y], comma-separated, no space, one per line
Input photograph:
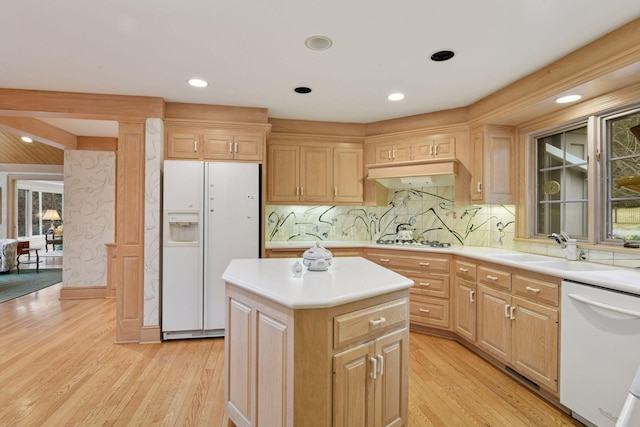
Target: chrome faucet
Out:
[559,239]
[627,244]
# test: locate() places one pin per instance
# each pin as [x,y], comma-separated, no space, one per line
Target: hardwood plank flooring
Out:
[59,366]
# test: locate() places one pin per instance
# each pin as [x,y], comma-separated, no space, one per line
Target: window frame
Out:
[603,121]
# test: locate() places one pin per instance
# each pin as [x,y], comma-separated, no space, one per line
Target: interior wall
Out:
[89,217]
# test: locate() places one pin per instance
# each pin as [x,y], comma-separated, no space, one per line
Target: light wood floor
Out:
[59,366]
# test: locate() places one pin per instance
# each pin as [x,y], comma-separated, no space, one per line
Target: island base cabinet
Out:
[344,365]
[369,383]
[258,352]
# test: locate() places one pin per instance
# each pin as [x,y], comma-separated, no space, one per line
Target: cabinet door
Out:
[348,175]
[535,342]
[423,150]
[477,165]
[183,145]
[391,403]
[217,147]
[464,312]
[444,147]
[283,173]
[494,324]
[248,147]
[353,387]
[383,153]
[316,174]
[402,152]
[239,390]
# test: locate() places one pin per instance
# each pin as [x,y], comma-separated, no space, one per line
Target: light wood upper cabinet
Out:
[183,144]
[348,175]
[314,173]
[418,147]
[492,165]
[230,147]
[204,142]
[389,153]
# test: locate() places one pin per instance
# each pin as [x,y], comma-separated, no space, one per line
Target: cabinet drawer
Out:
[536,290]
[436,285]
[429,311]
[368,322]
[417,262]
[465,270]
[494,277]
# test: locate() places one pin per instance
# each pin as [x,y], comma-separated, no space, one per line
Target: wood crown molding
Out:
[40,103]
[215,113]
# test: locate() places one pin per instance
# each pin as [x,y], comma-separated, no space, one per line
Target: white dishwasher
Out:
[599,353]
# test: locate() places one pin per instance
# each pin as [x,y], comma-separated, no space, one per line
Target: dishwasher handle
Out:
[613,308]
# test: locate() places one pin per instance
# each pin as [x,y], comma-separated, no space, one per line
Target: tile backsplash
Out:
[430,212]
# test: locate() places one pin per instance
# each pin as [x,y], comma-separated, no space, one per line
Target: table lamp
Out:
[51,215]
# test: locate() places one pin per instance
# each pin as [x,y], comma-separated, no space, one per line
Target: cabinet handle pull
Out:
[506,310]
[529,288]
[424,310]
[435,150]
[393,154]
[297,191]
[302,191]
[389,154]
[511,309]
[425,264]
[374,367]
[431,150]
[425,284]
[380,364]
[195,146]
[335,191]
[378,322]
[479,187]
[384,259]
[231,147]
[235,147]
[471,296]
[491,277]
[464,270]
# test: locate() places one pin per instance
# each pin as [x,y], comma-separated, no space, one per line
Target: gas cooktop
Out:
[413,242]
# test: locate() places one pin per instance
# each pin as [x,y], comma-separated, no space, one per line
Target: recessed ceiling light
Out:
[26,139]
[198,83]
[442,55]
[396,96]
[302,89]
[568,98]
[318,43]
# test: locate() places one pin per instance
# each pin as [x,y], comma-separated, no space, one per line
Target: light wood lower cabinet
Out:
[338,366]
[369,382]
[465,299]
[430,305]
[519,326]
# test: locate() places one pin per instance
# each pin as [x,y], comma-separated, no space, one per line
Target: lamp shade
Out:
[51,215]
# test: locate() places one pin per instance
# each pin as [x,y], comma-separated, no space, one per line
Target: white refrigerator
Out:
[211,215]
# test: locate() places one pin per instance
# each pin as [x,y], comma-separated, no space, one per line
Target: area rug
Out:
[14,285]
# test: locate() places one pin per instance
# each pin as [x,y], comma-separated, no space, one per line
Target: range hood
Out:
[427,174]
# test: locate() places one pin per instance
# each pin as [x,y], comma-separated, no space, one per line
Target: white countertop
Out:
[348,279]
[607,276]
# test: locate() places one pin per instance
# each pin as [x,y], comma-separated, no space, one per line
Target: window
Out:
[562,185]
[34,198]
[623,175]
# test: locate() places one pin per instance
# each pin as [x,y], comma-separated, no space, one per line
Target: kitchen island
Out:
[316,348]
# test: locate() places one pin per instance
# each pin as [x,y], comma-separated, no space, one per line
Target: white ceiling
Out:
[252,53]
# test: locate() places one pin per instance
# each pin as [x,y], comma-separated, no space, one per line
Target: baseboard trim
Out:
[150,334]
[83,292]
